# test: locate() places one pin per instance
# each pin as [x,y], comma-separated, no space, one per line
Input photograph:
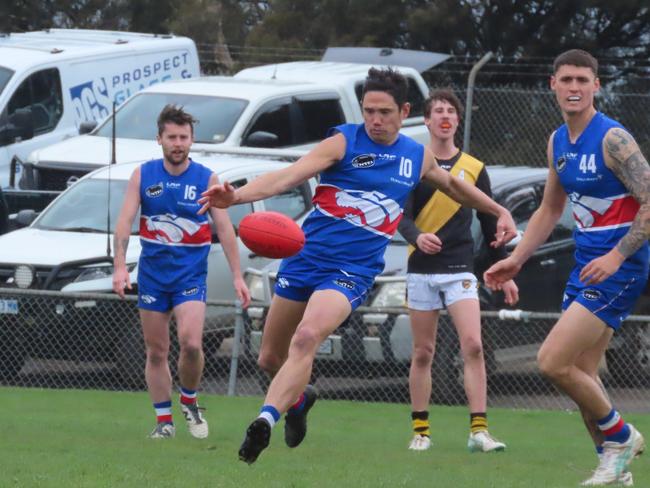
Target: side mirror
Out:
[261,138]
[23,124]
[25,217]
[87,127]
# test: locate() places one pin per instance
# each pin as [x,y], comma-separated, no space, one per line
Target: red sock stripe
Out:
[299,402]
[187,400]
[164,418]
[618,426]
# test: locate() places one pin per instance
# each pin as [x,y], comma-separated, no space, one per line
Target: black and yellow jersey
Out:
[428,210]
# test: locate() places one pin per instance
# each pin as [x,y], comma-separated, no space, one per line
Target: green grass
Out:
[70,438]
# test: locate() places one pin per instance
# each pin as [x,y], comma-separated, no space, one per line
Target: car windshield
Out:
[5,76]
[82,208]
[136,119]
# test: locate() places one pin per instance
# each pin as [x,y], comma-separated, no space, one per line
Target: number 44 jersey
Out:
[603,208]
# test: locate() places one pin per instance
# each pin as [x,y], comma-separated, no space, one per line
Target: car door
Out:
[536,280]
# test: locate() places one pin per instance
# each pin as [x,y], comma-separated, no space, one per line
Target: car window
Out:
[317,118]
[522,203]
[292,203]
[566,224]
[41,93]
[5,76]
[136,119]
[91,196]
[273,118]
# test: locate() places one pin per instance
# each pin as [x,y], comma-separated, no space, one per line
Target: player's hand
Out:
[500,272]
[243,293]
[121,281]
[428,243]
[219,196]
[511,292]
[599,269]
[506,229]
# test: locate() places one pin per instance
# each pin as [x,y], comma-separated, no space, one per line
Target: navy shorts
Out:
[150,298]
[611,301]
[299,278]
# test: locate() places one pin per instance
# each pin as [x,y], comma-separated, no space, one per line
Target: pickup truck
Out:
[286,105]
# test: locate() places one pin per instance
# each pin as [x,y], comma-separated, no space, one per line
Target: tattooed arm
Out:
[130,208]
[624,158]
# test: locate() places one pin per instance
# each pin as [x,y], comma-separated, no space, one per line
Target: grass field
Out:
[70,438]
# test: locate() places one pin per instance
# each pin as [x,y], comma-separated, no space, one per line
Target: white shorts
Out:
[437,291]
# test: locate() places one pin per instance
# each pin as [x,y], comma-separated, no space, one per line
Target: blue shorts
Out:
[611,301]
[299,278]
[149,298]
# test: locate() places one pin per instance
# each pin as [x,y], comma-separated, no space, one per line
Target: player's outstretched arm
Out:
[129,210]
[539,227]
[469,196]
[228,240]
[624,158]
[324,155]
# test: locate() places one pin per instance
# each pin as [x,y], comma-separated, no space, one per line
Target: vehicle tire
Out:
[13,352]
[628,359]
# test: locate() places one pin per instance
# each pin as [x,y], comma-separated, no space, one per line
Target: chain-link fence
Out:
[510,125]
[57,340]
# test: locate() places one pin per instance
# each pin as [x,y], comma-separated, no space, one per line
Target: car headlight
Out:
[24,276]
[390,294]
[99,272]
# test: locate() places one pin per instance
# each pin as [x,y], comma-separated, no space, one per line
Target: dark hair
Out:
[174,115]
[387,80]
[442,95]
[576,57]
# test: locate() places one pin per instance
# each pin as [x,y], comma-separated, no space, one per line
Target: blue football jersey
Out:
[175,239]
[359,200]
[603,208]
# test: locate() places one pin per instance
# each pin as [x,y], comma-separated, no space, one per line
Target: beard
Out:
[176,158]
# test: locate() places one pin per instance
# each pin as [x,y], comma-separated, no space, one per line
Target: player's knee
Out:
[305,340]
[551,367]
[472,349]
[192,350]
[157,356]
[423,355]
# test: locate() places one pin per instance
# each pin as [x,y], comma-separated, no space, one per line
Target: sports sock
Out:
[299,405]
[614,428]
[478,422]
[420,421]
[188,397]
[270,414]
[163,412]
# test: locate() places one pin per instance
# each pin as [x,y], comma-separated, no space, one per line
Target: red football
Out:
[271,234]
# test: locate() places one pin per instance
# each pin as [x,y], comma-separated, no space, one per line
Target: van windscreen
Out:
[136,119]
[5,76]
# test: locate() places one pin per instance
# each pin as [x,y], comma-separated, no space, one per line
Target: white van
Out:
[52,81]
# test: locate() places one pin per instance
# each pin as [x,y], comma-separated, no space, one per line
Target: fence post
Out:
[470,98]
[234,359]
